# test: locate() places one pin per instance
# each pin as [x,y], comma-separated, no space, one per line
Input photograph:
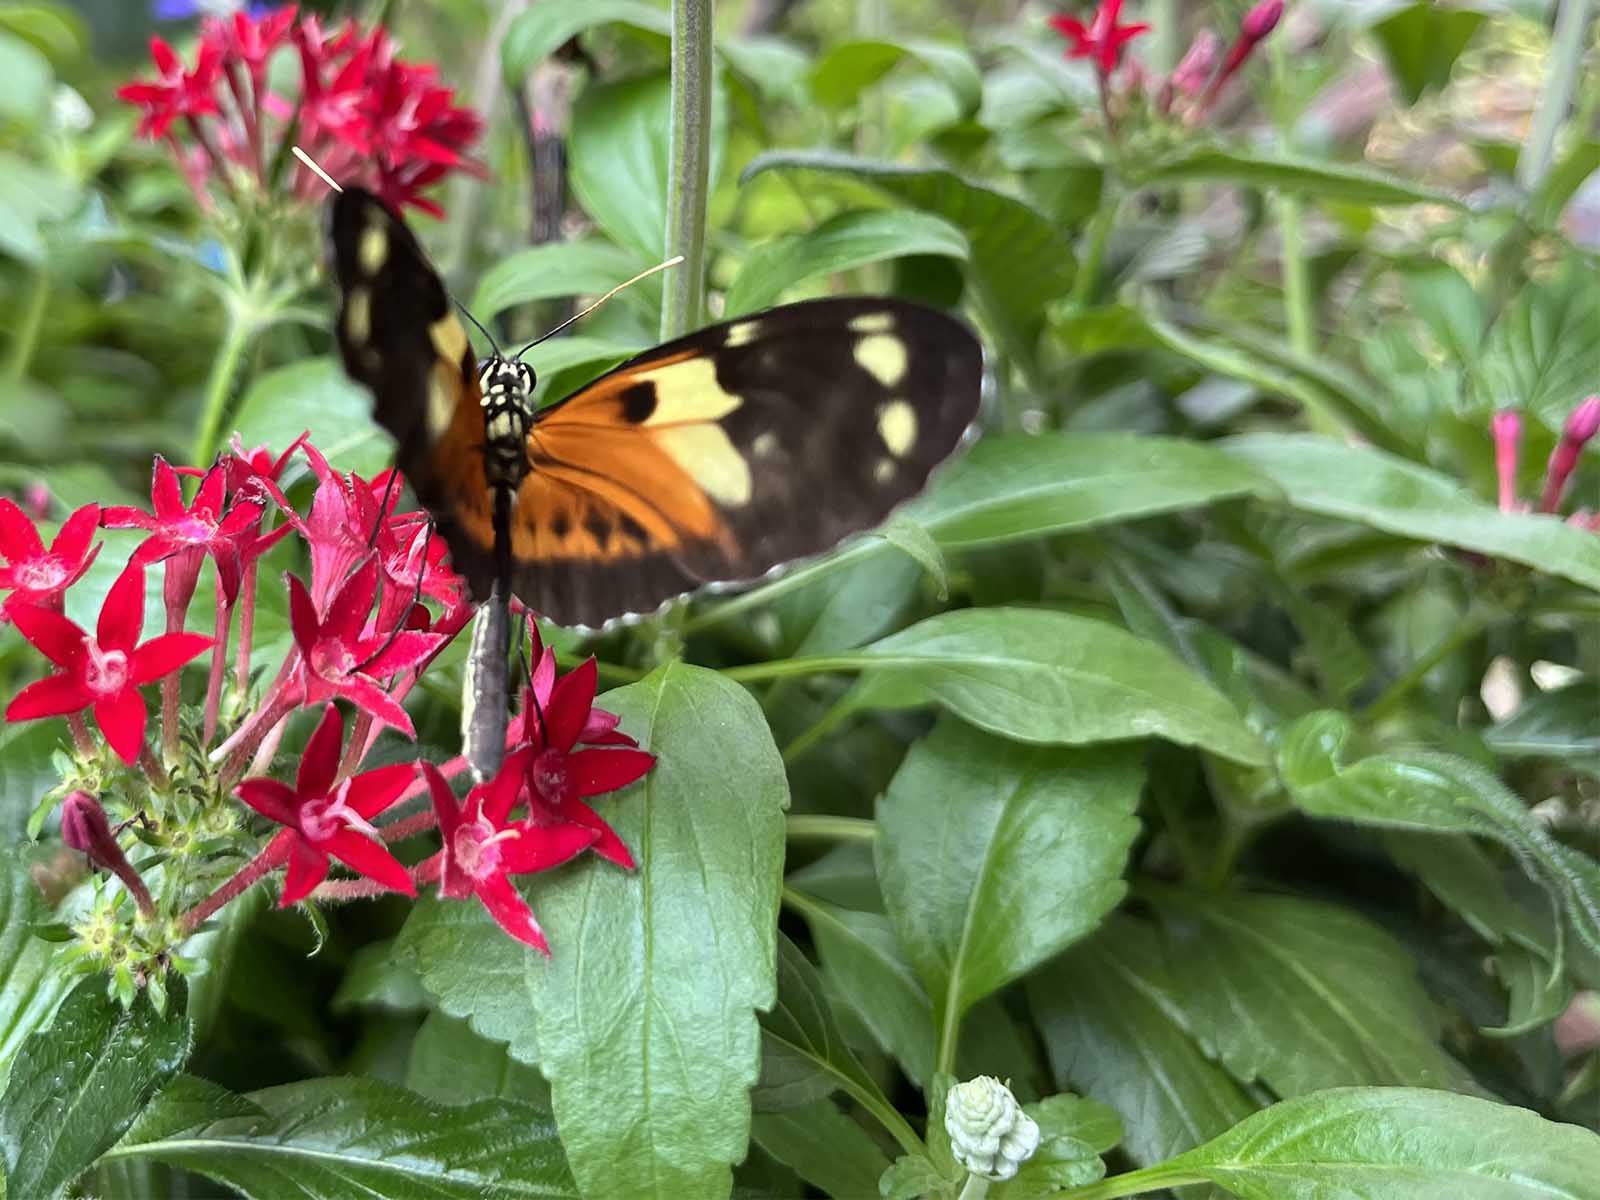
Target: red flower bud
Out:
[1506,426]
[1261,20]
[1582,424]
[84,827]
[1191,73]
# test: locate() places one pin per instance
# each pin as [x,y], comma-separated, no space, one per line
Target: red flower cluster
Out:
[366,115]
[380,607]
[1581,426]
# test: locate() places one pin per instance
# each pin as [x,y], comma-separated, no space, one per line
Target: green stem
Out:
[949,1036]
[219,387]
[1567,46]
[825,724]
[1397,691]
[690,169]
[1134,1183]
[976,1188]
[26,338]
[829,828]
[1087,281]
[1296,278]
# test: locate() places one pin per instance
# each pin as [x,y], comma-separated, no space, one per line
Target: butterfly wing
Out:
[722,454]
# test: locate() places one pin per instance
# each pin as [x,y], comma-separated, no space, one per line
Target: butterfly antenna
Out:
[479,326]
[315,168]
[621,287]
[383,511]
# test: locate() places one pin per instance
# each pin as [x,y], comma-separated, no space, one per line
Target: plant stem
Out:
[756,672]
[1567,46]
[1298,307]
[1134,1183]
[831,828]
[824,725]
[1087,280]
[25,338]
[1469,628]
[690,166]
[274,855]
[976,1188]
[219,386]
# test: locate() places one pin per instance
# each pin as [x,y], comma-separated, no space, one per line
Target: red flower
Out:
[175,92]
[36,575]
[323,820]
[339,659]
[482,847]
[1102,39]
[105,670]
[560,777]
[339,527]
[201,528]
[250,39]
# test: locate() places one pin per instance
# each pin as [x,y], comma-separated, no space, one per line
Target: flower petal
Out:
[541,847]
[19,540]
[445,807]
[320,761]
[506,905]
[122,719]
[165,494]
[271,798]
[499,795]
[165,654]
[308,867]
[122,614]
[347,611]
[52,696]
[373,791]
[365,694]
[594,772]
[302,615]
[367,857]
[570,701]
[607,844]
[55,637]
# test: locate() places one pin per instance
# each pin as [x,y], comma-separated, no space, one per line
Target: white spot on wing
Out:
[897,426]
[448,338]
[358,315]
[765,445]
[441,405]
[742,333]
[884,471]
[372,249]
[883,356]
[879,322]
[710,459]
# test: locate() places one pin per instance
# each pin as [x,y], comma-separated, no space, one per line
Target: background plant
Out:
[1211,753]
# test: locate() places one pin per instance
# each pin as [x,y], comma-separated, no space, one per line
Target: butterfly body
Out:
[715,457]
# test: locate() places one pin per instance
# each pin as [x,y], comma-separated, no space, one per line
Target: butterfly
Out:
[715,457]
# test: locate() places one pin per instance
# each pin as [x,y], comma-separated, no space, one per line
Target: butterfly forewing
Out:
[714,457]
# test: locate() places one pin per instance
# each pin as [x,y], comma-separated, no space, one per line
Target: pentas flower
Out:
[323,820]
[483,847]
[104,670]
[205,527]
[340,656]
[38,576]
[176,91]
[1102,39]
[339,526]
[560,776]
[1581,425]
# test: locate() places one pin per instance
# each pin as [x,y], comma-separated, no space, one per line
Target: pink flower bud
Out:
[1190,75]
[84,827]
[36,499]
[1261,20]
[1506,426]
[1582,424]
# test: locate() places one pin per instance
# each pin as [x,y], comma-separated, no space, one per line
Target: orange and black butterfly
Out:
[714,457]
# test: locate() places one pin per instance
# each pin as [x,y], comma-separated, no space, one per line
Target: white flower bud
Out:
[990,1135]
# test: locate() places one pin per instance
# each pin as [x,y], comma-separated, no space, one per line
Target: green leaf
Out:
[377,977]
[27,774]
[1302,995]
[315,395]
[1395,1144]
[540,31]
[1323,181]
[31,198]
[901,532]
[848,68]
[645,1014]
[1020,260]
[76,1086]
[618,157]
[453,1065]
[1073,1133]
[841,243]
[583,268]
[1460,875]
[1422,43]
[30,989]
[326,1139]
[1114,1032]
[913,1175]
[1434,793]
[1539,994]
[1360,484]
[1541,355]
[842,609]
[824,1147]
[801,1040]
[1566,175]
[994,857]
[1041,676]
[25,81]
[1558,724]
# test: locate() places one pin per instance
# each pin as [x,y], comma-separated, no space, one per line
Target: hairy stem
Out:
[690,166]
[273,856]
[219,387]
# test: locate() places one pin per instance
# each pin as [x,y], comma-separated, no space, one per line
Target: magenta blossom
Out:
[38,576]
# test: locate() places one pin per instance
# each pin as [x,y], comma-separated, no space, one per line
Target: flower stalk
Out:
[1567,47]
[689,171]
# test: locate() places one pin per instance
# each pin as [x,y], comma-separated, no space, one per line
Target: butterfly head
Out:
[507,387]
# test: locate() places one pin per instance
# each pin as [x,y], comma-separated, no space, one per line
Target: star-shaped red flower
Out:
[38,576]
[482,847]
[561,776]
[322,820]
[1102,39]
[104,670]
[175,92]
[204,527]
[340,658]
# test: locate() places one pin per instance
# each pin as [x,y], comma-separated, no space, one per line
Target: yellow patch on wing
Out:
[443,393]
[372,249]
[687,390]
[883,356]
[871,323]
[710,459]
[358,314]
[449,339]
[742,334]
[897,426]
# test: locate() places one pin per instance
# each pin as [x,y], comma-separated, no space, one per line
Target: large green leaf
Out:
[327,1139]
[618,157]
[545,27]
[1394,1144]
[1429,792]
[316,396]
[841,243]
[994,857]
[77,1085]
[645,1014]
[30,989]
[453,1065]
[1422,42]
[32,198]
[1317,179]
[803,1051]
[1542,355]
[848,68]
[1042,676]
[1114,1032]
[824,1147]
[1557,724]
[590,267]
[1368,486]
[1020,260]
